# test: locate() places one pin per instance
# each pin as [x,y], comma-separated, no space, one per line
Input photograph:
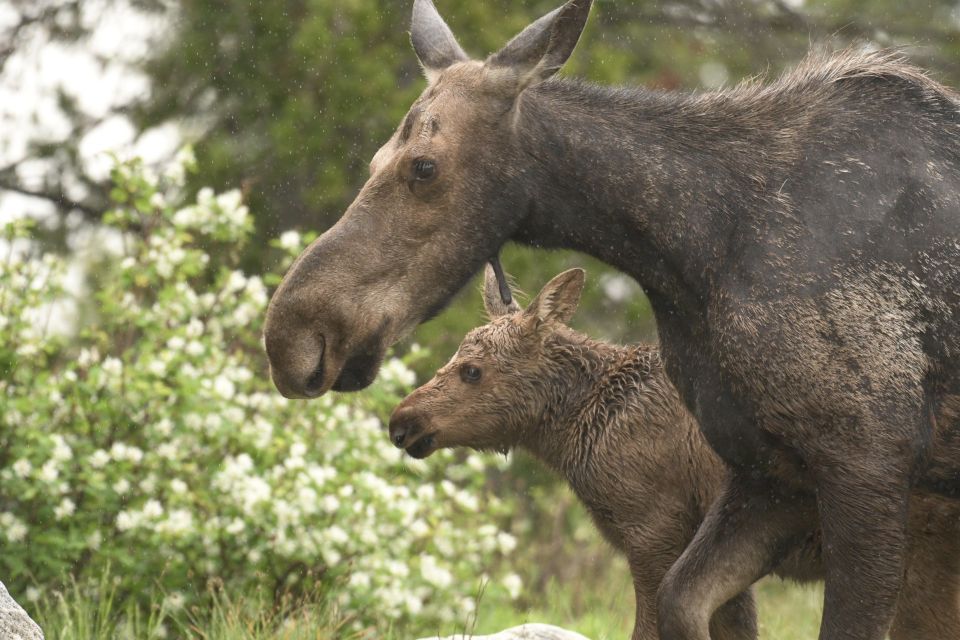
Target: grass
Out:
[600,607]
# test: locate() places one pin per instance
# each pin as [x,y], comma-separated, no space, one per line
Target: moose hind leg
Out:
[745,532]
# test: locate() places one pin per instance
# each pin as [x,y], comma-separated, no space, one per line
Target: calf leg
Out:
[746,531]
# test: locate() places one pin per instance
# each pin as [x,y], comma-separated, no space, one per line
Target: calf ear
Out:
[433,40]
[539,51]
[558,300]
[492,300]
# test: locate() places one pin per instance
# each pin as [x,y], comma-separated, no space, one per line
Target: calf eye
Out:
[424,170]
[470,373]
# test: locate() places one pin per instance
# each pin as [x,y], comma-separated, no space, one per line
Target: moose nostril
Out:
[398,439]
[314,382]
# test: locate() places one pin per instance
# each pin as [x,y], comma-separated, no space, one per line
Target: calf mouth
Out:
[422,448]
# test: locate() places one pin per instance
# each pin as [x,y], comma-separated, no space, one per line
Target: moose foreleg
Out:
[864,519]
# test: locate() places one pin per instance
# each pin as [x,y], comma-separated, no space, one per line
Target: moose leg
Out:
[929,603]
[863,501]
[746,531]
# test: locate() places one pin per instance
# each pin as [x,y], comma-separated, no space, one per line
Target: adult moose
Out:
[799,242]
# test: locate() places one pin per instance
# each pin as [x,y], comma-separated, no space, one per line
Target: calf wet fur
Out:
[608,420]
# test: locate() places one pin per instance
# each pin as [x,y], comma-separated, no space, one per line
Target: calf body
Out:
[610,422]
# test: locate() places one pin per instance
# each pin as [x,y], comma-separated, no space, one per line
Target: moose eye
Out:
[424,170]
[470,373]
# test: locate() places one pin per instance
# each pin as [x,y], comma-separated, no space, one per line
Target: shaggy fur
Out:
[609,421]
[799,243]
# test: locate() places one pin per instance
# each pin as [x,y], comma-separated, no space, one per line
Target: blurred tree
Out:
[45,162]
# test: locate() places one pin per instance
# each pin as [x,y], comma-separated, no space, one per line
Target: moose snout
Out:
[406,423]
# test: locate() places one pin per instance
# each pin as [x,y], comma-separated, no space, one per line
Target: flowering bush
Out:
[139,433]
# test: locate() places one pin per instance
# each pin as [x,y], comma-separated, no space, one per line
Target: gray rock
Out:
[15,624]
[523,632]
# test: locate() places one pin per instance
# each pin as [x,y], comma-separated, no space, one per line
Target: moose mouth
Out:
[422,448]
[359,372]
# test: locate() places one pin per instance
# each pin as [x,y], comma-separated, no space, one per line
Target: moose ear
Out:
[492,300]
[538,52]
[558,299]
[433,40]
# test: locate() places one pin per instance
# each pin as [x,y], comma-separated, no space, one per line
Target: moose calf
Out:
[608,420]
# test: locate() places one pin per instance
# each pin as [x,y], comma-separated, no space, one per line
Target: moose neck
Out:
[647,182]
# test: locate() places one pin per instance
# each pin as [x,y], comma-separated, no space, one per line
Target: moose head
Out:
[452,185]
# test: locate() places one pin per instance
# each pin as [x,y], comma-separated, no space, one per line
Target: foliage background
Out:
[287,100]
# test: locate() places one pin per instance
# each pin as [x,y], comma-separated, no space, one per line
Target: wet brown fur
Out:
[608,420]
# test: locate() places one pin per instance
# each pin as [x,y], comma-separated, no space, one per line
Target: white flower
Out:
[506,542]
[164,427]
[121,486]
[88,357]
[61,450]
[22,468]
[178,486]
[49,471]
[157,367]
[433,573]
[180,521]
[419,528]
[32,594]
[167,451]
[120,451]
[413,604]
[467,500]
[235,281]
[127,520]
[224,387]
[290,240]
[331,556]
[112,366]
[94,540]
[148,484]
[298,449]
[617,288]
[99,459]
[16,531]
[174,601]
[330,503]
[359,579]
[152,509]
[236,526]
[336,535]
[194,329]
[513,584]
[65,509]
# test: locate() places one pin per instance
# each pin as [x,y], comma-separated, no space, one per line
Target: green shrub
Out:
[139,433]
